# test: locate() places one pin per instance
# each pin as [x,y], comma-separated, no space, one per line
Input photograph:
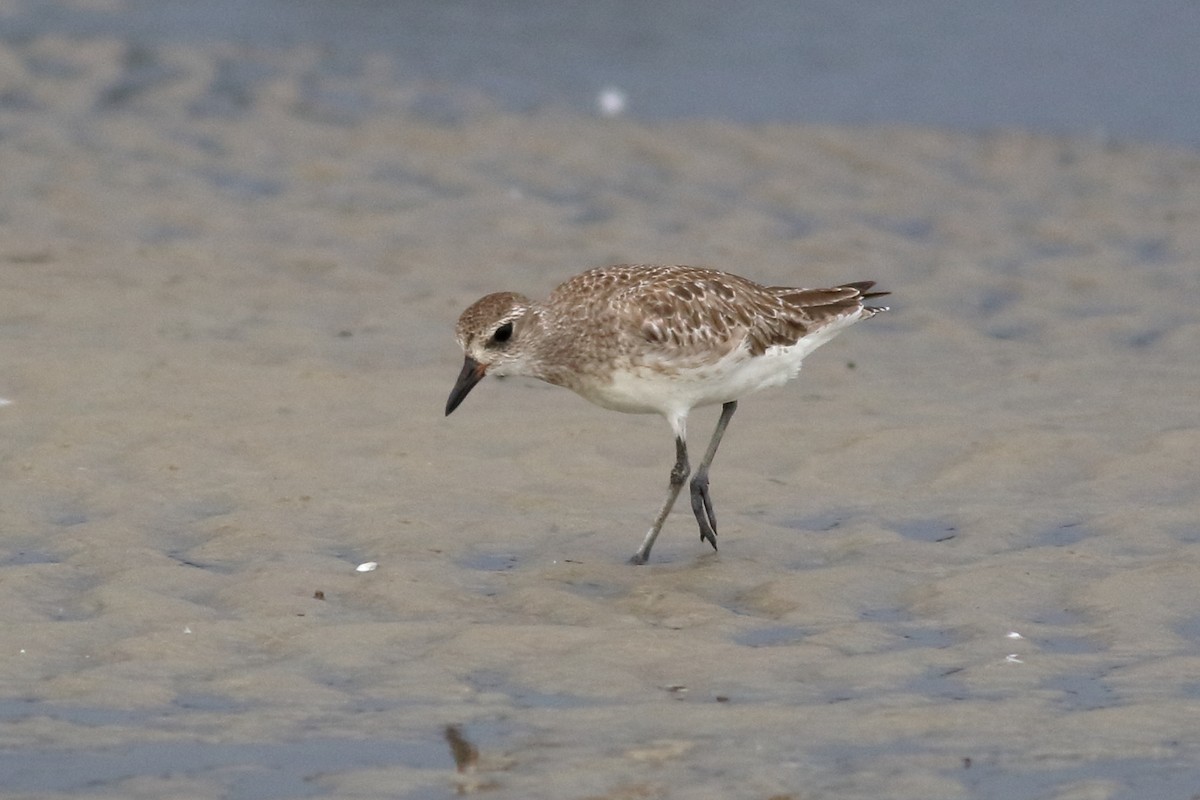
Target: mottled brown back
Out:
[701,313]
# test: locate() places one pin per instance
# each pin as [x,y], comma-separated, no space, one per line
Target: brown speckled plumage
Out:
[671,316]
[657,339]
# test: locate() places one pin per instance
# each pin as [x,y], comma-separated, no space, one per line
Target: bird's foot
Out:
[702,508]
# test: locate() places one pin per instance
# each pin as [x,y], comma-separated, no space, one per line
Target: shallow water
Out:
[227,345]
[1102,69]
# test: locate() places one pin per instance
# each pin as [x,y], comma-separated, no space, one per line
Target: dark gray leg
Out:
[701,502]
[679,474]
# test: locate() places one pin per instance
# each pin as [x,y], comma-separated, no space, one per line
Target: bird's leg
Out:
[701,502]
[679,474]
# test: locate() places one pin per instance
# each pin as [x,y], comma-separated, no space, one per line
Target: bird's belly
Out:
[667,389]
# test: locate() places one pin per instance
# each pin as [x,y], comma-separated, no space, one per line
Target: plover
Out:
[658,339]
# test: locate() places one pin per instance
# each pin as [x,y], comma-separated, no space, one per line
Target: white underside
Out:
[673,393]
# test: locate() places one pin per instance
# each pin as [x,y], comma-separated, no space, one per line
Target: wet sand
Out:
[959,554]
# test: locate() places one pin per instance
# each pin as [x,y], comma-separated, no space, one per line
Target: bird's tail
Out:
[861,287]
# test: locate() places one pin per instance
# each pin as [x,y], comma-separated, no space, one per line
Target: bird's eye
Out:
[503,333]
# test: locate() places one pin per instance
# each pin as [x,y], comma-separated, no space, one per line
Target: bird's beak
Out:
[472,373]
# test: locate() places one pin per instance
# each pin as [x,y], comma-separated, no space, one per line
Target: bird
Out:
[658,339]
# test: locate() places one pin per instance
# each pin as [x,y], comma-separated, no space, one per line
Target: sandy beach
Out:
[959,555]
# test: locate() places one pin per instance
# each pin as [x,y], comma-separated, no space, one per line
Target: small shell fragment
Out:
[366,566]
